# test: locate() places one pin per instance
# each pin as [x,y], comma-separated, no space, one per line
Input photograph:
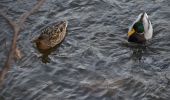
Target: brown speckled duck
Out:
[51,36]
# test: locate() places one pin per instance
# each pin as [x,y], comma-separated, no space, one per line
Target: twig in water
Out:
[16,28]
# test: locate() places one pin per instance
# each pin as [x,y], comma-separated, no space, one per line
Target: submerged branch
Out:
[25,15]
[16,29]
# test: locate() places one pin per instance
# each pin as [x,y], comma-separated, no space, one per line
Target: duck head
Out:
[141,30]
[42,43]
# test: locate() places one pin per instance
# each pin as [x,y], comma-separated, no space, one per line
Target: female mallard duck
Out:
[51,35]
[141,30]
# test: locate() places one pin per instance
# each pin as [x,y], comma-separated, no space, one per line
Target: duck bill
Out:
[132,31]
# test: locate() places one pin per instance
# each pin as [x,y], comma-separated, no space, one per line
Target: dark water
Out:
[95,61]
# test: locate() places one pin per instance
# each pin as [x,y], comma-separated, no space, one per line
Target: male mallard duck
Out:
[51,35]
[141,30]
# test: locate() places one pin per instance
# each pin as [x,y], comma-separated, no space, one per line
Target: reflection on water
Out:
[138,52]
[45,53]
[95,61]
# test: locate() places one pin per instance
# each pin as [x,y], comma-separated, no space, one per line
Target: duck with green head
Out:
[141,30]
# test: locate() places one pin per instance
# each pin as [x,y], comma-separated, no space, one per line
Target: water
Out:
[95,61]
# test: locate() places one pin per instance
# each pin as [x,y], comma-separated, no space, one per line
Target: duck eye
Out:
[139,27]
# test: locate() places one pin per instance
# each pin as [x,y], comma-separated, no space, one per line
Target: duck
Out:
[51,35]
[141,30]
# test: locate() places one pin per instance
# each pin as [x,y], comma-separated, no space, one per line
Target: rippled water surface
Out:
[95,61]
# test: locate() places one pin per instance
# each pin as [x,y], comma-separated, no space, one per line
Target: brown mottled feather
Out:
[51,35]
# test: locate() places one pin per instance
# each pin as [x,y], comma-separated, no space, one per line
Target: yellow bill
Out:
[131,32]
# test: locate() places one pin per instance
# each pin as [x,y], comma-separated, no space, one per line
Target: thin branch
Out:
[10,55]
[28,13]
[12,23]
[16,28]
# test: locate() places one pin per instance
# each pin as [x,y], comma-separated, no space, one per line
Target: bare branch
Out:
[28,13]
[16,28]
[12,23]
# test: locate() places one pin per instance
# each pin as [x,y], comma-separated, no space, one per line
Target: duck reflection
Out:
[45,53]
[138,52]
